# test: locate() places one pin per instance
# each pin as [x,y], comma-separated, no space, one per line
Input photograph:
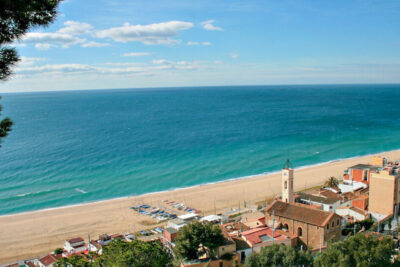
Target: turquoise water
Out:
[83,146]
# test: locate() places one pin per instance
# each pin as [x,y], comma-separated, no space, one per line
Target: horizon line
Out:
[195,86]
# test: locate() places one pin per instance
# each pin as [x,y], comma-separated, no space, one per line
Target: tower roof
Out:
[288,165]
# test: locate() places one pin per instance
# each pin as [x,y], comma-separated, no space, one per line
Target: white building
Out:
[74,245]
[356,213]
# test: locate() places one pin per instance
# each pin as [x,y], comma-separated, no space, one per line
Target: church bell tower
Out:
[287,183]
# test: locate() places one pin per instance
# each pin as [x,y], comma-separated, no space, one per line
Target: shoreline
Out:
[35,233]
[193,186]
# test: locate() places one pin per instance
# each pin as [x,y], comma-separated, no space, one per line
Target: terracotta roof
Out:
[48,259]
[300,213]
[12,265]
[254,236]
[30,264]
[360,211]
[75,240]
[318,199]
[328,194]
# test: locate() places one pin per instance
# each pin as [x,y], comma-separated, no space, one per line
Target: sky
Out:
[105,44]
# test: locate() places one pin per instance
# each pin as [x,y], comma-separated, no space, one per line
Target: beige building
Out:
[287,183]
[384,192]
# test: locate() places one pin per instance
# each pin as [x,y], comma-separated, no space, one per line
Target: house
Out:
[176,223]
[211,219]
[95,246]
[170,234]
[361,202]
[313,227]
[188,217]
[258,238]
[254,220]
[328,204]
[360,173]
[242,248]
[225,255]
[384,192]
[235,228]
[74,245]
[48,260]
[352,213]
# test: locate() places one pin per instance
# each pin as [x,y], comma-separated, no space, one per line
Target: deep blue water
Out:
[73,147]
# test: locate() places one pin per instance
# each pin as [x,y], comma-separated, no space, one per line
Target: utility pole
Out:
[90,255]
[320,241]
[273,226]
[354,229]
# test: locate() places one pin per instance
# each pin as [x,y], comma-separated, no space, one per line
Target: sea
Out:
[73,147]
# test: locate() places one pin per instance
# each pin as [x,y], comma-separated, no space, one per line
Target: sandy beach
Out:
[34,234]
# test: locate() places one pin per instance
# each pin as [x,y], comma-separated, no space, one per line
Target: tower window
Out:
[285,184]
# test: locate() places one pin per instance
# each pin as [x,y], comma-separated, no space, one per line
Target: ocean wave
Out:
[34,193]
[80,190]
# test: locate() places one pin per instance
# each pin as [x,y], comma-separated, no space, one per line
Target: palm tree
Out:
[332,182]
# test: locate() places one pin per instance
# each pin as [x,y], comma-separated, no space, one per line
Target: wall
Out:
[381,193]
[312,234]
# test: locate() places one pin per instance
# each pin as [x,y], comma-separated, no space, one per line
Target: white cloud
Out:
[55,68]
[29,61]
[192,43]
[47,40]
[234,55]
[208,25]
[198,43]
[94,44]
[75,28]
[136,54]
[151,34]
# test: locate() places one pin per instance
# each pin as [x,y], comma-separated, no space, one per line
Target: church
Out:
[313,227]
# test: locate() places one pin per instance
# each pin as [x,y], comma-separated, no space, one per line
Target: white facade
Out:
[347,211]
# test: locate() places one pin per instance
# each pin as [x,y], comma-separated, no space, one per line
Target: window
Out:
[286,227]
[338,222]
[223,249]
[221,264]
[333,224]
[299,231]
[327,226]
[285,184]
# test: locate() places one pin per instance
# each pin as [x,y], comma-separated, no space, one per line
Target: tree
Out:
[58,251]
[74,260]
[365,225]
[136,253]
[196,238]
[279,255]
[16,18]
[332,182]
[359,250]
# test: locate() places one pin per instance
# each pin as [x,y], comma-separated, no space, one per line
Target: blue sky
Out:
[98,44]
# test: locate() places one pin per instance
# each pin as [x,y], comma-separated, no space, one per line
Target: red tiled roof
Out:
[253,235]
[75,240]
[12,265]
[328,194]
[300,213]
[48,259]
